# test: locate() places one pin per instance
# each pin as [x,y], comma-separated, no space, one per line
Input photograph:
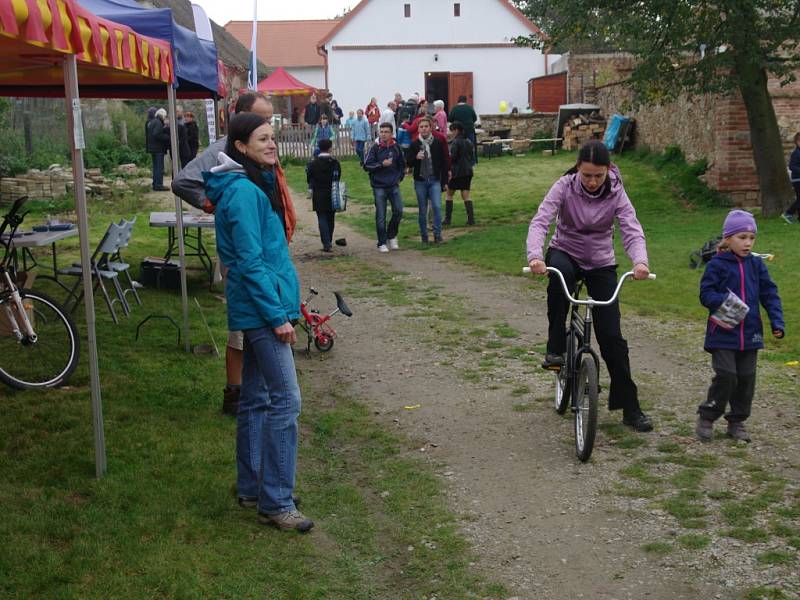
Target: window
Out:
[407,10]
[457,9]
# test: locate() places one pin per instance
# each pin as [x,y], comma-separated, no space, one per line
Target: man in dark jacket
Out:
[465,114]
[311,114]
[157,142]
[793,212]
[428,158]
[386,167]
[184,151]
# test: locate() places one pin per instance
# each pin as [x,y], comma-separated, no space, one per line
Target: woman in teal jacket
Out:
[263,298]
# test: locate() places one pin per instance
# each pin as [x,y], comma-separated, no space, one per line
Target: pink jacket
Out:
[441,121]
[585,224]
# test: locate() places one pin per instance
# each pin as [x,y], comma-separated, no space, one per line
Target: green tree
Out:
[695,47]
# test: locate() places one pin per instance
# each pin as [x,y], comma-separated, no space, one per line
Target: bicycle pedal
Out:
[555,368]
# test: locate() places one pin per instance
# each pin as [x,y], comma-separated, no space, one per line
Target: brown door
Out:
[460,85]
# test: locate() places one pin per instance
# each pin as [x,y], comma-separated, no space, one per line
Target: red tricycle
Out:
[316,325]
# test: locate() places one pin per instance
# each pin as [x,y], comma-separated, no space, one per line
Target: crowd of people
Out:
[411,137]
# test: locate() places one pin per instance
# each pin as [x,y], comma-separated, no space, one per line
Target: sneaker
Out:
[438,240]
[738,432]
[287,521]
[554,362]
[327,249]
[704,429]
[160,188]
[789,218]
[383,248]
[230,401]
[393,245]
[638,421]
[253,502]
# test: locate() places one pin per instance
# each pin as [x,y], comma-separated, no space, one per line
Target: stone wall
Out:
[523,126]
[587,72]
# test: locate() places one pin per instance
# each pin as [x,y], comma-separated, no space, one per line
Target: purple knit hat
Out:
[738,221]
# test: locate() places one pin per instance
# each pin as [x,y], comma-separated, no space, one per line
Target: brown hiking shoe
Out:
[287,521]
[704,429]
[738,432]
[230,401]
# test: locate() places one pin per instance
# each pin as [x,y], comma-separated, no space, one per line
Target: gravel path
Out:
[449,358]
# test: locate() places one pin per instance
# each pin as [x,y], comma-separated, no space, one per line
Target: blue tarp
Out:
[195,59]
[612,137]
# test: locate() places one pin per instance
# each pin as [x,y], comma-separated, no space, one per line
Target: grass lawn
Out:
[507,191]
[163,522]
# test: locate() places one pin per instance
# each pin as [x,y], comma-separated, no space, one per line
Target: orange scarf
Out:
[289,216]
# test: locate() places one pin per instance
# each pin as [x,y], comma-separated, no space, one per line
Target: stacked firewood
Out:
[580,129]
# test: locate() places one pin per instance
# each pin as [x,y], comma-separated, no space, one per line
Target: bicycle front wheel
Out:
[585,407]
[50,359]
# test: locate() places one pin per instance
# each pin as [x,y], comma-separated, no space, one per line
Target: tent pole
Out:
[77,145]
[173,138]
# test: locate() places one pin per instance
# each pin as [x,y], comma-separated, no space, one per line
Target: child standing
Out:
[733,285]
[323,131]
[321,173]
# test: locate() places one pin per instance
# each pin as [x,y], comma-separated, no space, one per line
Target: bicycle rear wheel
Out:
[50,359]
[585,407]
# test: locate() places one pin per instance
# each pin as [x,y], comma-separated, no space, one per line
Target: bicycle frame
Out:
[316,324]
[9,293]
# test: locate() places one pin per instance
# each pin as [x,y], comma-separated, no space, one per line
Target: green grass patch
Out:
[657,548]
[765,593]
[694,541]
[776,557]
[750,535]
[521,390]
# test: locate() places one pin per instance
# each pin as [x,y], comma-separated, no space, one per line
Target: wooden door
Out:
[460,85]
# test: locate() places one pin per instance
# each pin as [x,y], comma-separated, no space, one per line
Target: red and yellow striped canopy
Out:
[35,34]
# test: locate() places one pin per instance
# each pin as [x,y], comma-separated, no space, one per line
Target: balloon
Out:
[503,106]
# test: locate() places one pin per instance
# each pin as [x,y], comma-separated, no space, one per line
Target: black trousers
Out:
[734,384]
[600,284]
[795,207]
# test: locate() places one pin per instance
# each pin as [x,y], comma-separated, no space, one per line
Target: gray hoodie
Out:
[188,184]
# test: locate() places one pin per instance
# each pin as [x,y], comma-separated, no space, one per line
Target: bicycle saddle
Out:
[342,306]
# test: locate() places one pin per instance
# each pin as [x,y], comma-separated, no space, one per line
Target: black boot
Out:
[470,213]
[448,212]
[230,401]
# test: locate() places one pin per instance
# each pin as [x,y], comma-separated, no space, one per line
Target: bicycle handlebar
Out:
[589,301]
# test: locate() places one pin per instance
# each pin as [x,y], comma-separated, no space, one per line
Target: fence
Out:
[294,140]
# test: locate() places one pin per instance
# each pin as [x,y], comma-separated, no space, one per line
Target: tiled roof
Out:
[285,43]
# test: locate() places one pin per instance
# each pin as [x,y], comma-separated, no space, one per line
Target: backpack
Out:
[705,253]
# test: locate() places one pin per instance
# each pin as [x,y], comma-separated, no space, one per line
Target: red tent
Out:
[282,83]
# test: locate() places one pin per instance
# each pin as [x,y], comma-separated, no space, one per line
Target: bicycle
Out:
[577,382]
[39,343]
[316,325]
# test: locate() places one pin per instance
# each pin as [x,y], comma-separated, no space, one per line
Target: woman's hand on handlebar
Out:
[285,333]
[538,267]
[641,271]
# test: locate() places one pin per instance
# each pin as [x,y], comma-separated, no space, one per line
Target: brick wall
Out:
[710,127]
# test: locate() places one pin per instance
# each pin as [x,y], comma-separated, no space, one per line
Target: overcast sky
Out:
[223,11]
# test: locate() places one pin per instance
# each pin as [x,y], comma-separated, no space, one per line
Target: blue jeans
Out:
[326,221]
[392,195]
[430,189]
[266,424]
[360,150]
[158,169]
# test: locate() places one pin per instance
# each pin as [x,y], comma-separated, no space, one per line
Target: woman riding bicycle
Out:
[585,202]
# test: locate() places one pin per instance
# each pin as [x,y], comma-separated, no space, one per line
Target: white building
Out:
[439,48]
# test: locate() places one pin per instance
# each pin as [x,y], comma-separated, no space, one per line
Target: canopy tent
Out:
[39,37]
[195,59]
[282,83]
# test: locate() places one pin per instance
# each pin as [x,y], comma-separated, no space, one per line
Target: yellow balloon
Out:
[503,106]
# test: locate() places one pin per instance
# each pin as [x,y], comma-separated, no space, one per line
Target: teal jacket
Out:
[261,288]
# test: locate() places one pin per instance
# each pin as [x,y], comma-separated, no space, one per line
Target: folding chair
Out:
[100,271]
[118,264]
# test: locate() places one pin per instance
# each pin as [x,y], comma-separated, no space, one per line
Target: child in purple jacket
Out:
[733,285]
[585,202]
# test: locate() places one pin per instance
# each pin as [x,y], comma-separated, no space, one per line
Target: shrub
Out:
[107,153]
